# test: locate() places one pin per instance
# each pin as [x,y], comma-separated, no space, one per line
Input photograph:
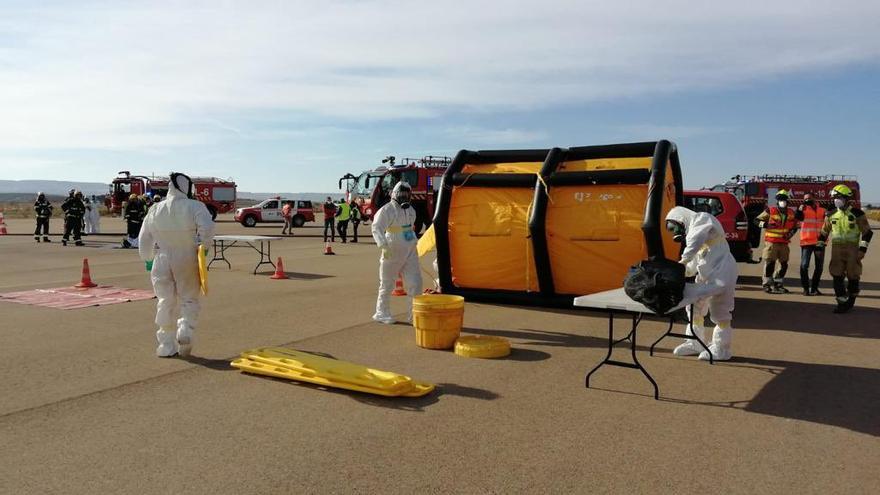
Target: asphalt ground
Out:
[87,408]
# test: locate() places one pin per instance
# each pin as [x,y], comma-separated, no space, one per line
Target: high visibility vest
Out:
[811,225]
[344,212]
[843,227]
[779,225]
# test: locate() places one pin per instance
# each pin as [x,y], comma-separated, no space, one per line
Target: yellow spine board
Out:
[417,389]
[333,369]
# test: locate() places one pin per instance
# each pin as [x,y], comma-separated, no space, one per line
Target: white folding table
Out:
[616,301]
[224,242]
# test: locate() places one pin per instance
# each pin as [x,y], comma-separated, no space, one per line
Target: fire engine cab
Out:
[756,191]
[372,188]
[218,195]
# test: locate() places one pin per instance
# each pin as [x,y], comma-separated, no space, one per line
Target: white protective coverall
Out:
[707,255]
[393,231]
[176,226]
[93,217]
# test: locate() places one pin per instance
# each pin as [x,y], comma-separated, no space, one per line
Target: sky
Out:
[291,95]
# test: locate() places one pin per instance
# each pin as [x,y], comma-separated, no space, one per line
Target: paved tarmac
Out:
[87,407]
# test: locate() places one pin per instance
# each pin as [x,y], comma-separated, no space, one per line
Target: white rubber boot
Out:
[691,347]
[184,339]
[167,342]
[386,319]
[720,346]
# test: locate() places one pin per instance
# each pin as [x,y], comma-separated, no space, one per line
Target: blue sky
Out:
[288,96]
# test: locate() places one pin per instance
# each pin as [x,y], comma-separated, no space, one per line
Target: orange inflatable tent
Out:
[541,227]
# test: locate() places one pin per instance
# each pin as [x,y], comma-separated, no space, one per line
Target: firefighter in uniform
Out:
[812,219]
[850,235]
[43,210]
[135,211]
[780,224]
[74,210]
[343,214]
[355,219]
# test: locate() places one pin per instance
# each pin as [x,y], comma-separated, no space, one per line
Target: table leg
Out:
[632,336]
[222,257]
[265,255]
[610,348]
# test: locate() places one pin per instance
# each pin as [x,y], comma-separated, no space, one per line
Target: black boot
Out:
[853,290]
[37,239]
[768,288]
[840,295]
[46,239]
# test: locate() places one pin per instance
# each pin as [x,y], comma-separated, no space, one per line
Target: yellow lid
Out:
[481,346]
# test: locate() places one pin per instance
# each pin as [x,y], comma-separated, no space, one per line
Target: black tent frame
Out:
[662,152]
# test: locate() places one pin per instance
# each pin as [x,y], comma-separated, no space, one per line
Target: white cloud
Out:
[490,138]
[159,74]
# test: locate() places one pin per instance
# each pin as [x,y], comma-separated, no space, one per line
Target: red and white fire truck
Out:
[218,194]
[755,191]
[372,188]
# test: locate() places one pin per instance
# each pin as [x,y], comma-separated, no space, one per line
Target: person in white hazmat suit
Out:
[706,255]
[393,231]
[169,237]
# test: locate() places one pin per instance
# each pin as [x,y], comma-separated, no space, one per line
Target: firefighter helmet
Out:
[841,191]
[782,195]
[132,197]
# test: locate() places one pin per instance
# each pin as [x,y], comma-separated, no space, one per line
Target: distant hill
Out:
[19,190]
[53,187]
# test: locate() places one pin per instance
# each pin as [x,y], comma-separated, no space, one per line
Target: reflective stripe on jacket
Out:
[779,225]
[811,225]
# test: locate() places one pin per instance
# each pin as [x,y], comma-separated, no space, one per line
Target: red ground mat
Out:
[73,298]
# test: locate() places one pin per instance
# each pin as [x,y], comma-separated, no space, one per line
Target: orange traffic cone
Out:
[3,230]
[86,280]
[279,271]
[398,288]
[327,249]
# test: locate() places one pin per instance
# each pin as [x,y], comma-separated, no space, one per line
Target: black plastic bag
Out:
[657,283]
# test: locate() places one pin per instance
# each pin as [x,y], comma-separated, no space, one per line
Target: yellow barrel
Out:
[438,319]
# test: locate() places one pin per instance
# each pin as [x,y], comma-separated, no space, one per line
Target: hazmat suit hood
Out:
[180,186]
[401,194]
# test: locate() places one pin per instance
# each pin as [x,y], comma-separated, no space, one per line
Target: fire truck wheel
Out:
[299,220]
[249,221]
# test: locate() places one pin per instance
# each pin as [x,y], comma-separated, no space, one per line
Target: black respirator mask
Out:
[183,183]
[677,230]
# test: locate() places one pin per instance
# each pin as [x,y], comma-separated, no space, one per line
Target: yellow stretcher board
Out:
[417,389]
[203,269]
[309,364]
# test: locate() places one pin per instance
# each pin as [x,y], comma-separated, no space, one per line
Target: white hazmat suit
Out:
[176,226]
[707,255]
[93,217]
[393,231]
